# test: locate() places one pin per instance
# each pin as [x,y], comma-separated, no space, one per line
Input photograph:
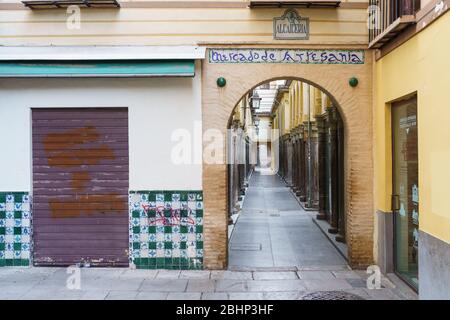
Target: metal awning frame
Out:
[57,4]
[294,3]
[392,31]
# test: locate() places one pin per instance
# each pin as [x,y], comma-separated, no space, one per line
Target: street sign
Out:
[290,26]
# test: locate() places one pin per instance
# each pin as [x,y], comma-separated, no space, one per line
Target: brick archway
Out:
[355,107]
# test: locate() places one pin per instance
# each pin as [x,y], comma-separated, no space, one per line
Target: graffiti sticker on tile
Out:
[166,229]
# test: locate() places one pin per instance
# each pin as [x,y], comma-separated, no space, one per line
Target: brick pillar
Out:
[215,231]
[297,161]
[289,160]
[235,165]
[333,170]
[302,165]
[309,164]
[322,167]
[315,167]
[340,237]
[294,160]
[282,157]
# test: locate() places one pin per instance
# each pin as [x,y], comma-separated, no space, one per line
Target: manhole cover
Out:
[331,295]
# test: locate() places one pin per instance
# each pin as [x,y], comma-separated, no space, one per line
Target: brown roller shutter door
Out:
[80,186]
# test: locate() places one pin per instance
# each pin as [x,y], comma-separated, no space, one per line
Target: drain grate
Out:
[331,295]
[246,246]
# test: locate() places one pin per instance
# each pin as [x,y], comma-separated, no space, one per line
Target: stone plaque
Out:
[290,26]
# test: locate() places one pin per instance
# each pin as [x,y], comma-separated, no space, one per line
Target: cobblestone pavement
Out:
[128,284]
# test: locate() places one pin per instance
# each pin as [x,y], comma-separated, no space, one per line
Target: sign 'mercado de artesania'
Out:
[295,56]
[290,26]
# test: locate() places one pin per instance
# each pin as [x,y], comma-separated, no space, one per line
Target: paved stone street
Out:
[124,283]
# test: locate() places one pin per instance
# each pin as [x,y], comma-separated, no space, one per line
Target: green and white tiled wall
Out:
[15,229]
[166,229]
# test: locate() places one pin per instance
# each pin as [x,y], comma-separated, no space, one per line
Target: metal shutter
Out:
[80,186]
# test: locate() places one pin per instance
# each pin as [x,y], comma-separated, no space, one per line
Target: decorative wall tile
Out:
[166,229]
[15,229]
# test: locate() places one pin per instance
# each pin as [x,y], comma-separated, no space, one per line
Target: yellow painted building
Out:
[418,69]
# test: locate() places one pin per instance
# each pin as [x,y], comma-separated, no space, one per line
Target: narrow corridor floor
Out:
[273,231]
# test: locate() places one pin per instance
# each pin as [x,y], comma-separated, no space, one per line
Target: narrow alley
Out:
[274,231]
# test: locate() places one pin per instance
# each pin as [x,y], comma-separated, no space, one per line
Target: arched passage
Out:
[285,166]
[354,107]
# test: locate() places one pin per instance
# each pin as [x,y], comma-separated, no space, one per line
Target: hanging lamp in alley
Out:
[255,100]
[256,121]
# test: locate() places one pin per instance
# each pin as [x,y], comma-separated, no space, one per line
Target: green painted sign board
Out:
[139,68]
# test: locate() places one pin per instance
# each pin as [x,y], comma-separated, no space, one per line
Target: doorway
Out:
[80,186]
[405,189]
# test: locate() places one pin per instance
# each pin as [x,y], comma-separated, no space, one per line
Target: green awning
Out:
[135,68]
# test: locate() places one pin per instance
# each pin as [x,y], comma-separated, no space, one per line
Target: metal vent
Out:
[331,295]
[246,246]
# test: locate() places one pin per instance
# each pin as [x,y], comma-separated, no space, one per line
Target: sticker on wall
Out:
[402,188]
[415,217]
[416,235]
[415,194]
[166,229]
[402,210]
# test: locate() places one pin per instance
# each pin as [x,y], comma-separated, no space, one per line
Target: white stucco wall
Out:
[156,107]
[264,137]
[264,129]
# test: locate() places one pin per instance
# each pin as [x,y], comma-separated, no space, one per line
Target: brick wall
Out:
[355,106]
